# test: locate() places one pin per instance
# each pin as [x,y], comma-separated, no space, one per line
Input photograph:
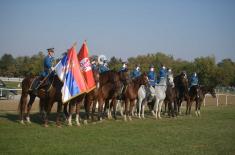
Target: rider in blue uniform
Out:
[48,71]
[48,62]
[124,67]
[194,80]
[103,67]
[162,73]
[152,76]
[136,72]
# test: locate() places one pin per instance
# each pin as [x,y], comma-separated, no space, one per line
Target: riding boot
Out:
[148,94]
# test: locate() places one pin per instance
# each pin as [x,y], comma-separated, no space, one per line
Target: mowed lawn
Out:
[212,133]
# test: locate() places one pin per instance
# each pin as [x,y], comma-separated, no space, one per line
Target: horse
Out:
[142,99]
[131,93]
[86,98]
[197,93]
[181,84]
[171,94]
[48,94]
[110,89]
[160,95]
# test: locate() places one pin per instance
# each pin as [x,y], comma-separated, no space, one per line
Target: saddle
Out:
[40,83]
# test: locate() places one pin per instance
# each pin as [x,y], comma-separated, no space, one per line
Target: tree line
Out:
[209,72]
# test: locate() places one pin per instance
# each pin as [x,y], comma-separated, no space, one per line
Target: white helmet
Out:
[102,59]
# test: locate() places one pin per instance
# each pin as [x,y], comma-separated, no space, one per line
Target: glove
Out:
[52,68]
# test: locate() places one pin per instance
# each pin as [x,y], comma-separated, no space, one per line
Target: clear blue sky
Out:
[185,29]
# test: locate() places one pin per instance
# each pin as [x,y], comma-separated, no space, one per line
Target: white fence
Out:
[218,96]
[11,79]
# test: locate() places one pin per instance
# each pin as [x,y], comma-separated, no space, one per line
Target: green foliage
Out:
[210,73]
[212,133]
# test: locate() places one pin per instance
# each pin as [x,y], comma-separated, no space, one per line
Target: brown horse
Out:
[197,94]
[110,89]
[87,98]
[181,84]
[131,93]
[48,94]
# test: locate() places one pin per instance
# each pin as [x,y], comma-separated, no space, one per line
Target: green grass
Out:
[212,133]
[11,84]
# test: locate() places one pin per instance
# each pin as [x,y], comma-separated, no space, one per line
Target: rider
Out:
[194,80]
[48,71]
[94,64]
[124,67]
[48,62]
[136,72]
[162,73]
[152,76]
[103,67]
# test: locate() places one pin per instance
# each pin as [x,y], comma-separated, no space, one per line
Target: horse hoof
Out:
[46,125]
[22,122]
[58,126]
[78,125]
[70,124]
[85,122]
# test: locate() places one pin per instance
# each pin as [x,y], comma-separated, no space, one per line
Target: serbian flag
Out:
[68,70]
[83,58]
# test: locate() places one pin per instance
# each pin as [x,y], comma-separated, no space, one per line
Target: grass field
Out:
[212,133]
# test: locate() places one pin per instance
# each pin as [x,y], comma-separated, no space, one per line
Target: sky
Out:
[184,29]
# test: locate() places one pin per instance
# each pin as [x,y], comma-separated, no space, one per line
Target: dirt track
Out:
[12,105]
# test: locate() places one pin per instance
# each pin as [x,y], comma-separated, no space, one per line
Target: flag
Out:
[68,70]
[83,58]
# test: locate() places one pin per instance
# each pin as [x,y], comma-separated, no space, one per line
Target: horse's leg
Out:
[66,111]
[126,106]
[93,109]
[59,111]
[160,109]
[71,109]
[179,105]
[114,108]
[22,105]
[77,113]
[188,106]
[131,108]
[156,107]
[87,104]
[100,108]
[165,111]
[48,106]
[142,107]
[199,107]
[140,100]
[29,106]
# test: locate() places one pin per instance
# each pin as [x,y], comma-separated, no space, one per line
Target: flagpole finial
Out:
[74,44]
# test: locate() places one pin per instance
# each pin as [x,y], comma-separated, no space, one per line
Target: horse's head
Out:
[142,79]
[124,77]
[170,80]
[211,90]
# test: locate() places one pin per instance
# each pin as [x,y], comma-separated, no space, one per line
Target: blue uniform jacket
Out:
[135,73]
[123,69]
[152,78]
[48,61]
[103,68]
[162,73]
[194,80]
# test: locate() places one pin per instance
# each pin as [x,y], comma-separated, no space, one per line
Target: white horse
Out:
[142,99]
[160,95]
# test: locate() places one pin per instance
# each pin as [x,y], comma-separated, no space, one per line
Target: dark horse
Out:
[197,94]
[112,84]
[181,84]
[48,94]
[171,98]
[131,93]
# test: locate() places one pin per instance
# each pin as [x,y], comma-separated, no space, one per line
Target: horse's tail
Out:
[23,99]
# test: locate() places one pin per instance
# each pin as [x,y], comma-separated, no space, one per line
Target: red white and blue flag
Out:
[68,70]
[83,58]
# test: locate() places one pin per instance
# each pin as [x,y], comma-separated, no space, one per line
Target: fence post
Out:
[204,101]
[217,100]
[226,99]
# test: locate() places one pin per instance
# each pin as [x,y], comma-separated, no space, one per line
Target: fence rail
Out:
[11,79]
[218,96]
